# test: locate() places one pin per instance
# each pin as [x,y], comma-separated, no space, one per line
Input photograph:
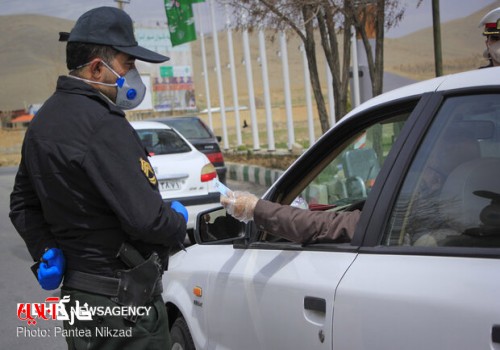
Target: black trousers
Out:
[150,331]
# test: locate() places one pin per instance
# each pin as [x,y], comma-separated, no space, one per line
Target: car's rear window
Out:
[162,141]
[190,128]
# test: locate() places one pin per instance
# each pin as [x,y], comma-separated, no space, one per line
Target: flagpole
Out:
[286,89]
[251,96]
[205,72]
[355,68]
[121,2]
[331,99]
[267,94]
[307,83]
[234,83]
[219,77]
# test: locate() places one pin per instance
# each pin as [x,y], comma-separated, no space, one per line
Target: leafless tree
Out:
[333,19]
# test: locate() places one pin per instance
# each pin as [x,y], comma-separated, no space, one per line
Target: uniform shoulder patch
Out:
[148,171]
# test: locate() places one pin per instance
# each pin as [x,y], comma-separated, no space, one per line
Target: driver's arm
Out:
[304,226]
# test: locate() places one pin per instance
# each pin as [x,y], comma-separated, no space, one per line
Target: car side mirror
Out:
[216,226]
[219,138]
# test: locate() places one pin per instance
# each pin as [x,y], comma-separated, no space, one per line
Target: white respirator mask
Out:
[131,89]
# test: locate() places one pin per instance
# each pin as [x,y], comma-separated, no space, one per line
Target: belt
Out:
[96,284]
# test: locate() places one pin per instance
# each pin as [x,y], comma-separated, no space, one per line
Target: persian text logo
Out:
[52,309]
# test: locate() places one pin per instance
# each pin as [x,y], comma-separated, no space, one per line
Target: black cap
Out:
[113,27]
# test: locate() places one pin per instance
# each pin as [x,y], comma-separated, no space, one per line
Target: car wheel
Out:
[180,335]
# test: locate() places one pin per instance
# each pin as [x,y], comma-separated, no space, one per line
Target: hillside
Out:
[31,58]
[412,56]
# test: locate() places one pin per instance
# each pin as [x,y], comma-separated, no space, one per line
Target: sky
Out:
[151,11]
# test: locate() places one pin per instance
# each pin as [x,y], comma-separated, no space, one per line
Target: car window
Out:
[451,193]
[190,128]
[349,172]
[162,141]
[350,176]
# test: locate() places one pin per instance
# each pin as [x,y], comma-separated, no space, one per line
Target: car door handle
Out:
[315,304]
[495,333]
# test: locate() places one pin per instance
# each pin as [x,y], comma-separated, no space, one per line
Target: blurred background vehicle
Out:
[184,173]
[201,137]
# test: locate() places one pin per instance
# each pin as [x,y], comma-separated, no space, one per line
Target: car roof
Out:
[473,78]
[179,118]
[142,124]
[194,123]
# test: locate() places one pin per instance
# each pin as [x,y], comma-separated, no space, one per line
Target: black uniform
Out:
[85,185]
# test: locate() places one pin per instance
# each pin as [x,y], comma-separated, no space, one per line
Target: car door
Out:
[275,294]
[427,275]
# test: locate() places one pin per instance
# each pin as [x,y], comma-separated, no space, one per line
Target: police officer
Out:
[491,23]
[86,199]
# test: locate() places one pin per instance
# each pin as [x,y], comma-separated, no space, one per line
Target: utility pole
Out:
[436,29]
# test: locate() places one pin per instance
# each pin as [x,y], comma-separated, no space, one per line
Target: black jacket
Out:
[85,184]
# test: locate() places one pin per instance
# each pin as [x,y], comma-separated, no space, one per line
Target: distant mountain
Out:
[31,58]
[462,46]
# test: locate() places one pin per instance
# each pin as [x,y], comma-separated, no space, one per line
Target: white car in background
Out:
[184,173]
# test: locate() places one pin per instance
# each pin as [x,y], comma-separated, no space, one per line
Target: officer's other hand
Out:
[180,208]
[51,270]
[240,205]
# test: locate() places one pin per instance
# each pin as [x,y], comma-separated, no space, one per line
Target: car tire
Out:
[180,335]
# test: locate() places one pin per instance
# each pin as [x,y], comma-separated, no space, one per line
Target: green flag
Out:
[180,21]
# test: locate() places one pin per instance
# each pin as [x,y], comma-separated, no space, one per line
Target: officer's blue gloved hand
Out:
[51,270]
[181,209]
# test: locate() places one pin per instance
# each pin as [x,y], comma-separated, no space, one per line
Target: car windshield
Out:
[162,141]
[190,128]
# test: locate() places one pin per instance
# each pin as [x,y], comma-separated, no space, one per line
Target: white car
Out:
[184,173]
[422,270]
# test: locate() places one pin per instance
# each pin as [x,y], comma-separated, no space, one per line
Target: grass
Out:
[280,139]
[10,147]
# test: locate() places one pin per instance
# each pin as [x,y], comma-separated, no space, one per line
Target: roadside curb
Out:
[252,173]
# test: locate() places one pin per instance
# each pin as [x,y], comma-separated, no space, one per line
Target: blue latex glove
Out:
[181,209]
[51,270]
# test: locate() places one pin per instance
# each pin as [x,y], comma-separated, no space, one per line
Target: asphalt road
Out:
[18,285]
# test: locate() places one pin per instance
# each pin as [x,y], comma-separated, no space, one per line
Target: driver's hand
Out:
[240,205]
